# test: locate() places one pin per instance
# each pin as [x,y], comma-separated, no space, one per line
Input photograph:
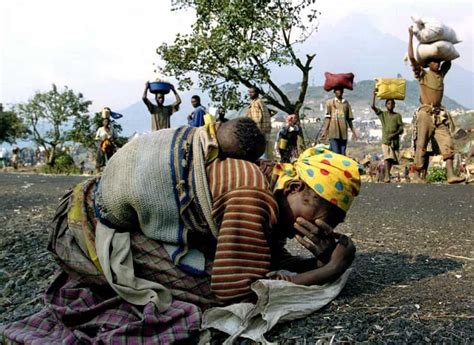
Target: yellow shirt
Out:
[258,112]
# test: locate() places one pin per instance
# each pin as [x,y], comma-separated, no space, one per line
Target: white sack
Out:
[277,301]
[441,50]
[428,30]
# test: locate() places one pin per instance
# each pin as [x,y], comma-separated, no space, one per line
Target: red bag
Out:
[341,80]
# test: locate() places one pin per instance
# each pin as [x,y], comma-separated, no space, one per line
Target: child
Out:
[241,139]
[338,118]
[392,128]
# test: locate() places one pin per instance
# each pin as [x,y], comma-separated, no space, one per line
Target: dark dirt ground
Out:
[406,285]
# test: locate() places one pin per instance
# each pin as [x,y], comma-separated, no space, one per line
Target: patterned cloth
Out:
[157,182]
[79,313]
[332,176]
[258,112]
[245,210]
[80,307]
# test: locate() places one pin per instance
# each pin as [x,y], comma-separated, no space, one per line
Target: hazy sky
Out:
[105,48]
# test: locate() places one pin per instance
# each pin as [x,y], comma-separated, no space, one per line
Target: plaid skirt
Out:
[80,307]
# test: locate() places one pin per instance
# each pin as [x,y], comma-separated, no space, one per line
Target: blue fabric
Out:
[338,146]
[198,116]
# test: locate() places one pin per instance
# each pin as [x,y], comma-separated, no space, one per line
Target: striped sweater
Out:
[244,209]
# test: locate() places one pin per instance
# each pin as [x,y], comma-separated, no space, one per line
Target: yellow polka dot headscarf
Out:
[332,176]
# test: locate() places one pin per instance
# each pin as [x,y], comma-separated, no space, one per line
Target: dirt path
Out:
[409,281]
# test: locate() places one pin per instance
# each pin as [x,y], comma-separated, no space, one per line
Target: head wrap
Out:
[332,176]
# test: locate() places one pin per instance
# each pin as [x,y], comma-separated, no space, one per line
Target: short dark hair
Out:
[197,98]
[256,89]
[389,99]
[250,140]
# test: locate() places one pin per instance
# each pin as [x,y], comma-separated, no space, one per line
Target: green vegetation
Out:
[237,43]
[54,110]
[12,127]
[437,175]
[63,164]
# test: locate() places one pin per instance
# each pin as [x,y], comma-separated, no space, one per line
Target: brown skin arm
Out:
[178,100]
[373,101]
[351,126]
[324,133]
[333,259]
[340,260]
[411,53]
[145,97]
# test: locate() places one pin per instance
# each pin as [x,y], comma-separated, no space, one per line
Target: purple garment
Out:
[78,313]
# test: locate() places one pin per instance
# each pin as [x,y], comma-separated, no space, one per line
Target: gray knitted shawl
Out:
[157,184]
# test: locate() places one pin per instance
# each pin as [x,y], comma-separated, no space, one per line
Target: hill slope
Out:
[137,119]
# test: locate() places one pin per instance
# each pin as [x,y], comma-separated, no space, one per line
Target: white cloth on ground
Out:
[277,301]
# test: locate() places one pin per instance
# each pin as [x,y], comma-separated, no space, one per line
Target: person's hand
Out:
[410,30]
[317,237]
[355,137]
[190,117]
[324,135]
[343,255]
[173,88]
[147,85]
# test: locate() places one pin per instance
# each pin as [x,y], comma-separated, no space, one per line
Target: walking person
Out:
[392,128]
[105,136]
[338,120]
[432,119]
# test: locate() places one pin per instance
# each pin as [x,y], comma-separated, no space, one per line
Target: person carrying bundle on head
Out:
[432,119]
[392,128]
[338,112]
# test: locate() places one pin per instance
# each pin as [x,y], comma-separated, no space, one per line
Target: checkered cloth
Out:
[78,313]
[81,307]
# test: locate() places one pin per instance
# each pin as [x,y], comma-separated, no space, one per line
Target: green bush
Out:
[63,164]
[437,175]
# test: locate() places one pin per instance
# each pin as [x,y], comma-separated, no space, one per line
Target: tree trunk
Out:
[51,156]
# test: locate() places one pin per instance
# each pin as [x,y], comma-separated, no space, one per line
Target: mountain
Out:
[350,45]
[137,119]
[361,96]
[355,45]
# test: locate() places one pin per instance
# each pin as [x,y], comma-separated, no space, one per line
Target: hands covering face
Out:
[320,239]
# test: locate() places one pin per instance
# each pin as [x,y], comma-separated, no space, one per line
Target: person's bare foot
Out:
[456,179]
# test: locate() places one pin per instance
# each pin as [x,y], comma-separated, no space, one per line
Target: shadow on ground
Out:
[375,270]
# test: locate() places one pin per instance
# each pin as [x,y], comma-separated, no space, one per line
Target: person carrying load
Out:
[392,128]
[432,119]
